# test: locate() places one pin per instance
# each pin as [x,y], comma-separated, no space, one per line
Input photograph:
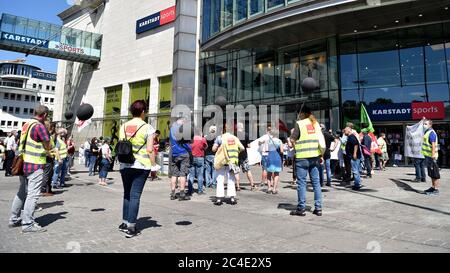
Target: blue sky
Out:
[43,10]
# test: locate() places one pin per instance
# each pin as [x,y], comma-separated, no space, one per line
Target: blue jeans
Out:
[196,170]
[210,172]
[87,156]
[356,165]
[133,185]
[92,160]
[368,165]
[60,171]
[419,164]
[104,168]
[326,166]
[303,167]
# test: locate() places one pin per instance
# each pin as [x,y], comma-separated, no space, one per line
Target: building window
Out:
[9,123]
[52,100]
[27,98]
[31,111]
[23,123]
[53,88]
[16,123]
[38,98]
[5,108]
[3,123]
[46,99]
[11,109]
[25,111]
[17,110]
[40,86]
[33,98]
[47,87]
[19,97]
[6,96]
[13,96]
[34,86]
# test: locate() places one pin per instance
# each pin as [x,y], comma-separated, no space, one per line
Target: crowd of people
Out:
[211,161]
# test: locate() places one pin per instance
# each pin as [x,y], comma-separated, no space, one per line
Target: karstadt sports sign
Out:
[156,20]
[406,111]
[24,39]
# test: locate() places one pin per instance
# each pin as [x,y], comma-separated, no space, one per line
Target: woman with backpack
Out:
[135,152]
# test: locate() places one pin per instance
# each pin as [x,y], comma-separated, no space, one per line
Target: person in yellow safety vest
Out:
[233,147]
[309,147]
[34,146]
[61,160]
[134,175]
[430,152]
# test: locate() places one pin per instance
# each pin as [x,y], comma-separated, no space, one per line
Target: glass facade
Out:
[383,67]
[59,38]
[395,66]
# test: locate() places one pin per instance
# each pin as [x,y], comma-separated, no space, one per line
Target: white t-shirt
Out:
[105,150]
[10,143]
[264,147]
[137,164]
[334,155]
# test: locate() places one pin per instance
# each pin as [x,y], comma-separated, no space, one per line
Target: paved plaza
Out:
[390,214]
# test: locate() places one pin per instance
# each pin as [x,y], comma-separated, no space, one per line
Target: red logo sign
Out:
[430,110]
[310,129]
[230,141]
[130,130]
[167,16]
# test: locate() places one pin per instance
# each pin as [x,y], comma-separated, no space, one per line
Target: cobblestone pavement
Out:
[390,214]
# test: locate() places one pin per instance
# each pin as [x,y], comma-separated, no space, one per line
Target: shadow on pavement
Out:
[146,222]
[405,186]
[50,218]
[290,207]
[51,204]
[99,209]
[183,223]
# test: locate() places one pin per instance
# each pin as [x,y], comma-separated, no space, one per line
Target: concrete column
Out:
[184,55]
[125,100]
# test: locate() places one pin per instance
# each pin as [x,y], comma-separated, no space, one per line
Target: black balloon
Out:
[68,115]
[309,84]
[85,112]
[221,101]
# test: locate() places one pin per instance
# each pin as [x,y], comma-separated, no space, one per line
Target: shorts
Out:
[244,166]
[384,156]
[432,168]
[179,166]
[264,160]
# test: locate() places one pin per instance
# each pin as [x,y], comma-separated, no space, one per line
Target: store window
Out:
[165,96]
[140,91]
[111,112]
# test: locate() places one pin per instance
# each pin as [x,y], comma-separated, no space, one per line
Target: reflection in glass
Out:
[274,3]
[438,92]
[206,17]
[435,63]
[256,6]
[411,63]
[241,9]
[227,15]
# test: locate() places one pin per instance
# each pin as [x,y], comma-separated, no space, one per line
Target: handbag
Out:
[17,165]
[221,157]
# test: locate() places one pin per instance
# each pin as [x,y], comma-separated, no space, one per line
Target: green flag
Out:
[366,119]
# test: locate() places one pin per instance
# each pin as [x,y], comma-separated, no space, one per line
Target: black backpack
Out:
[124,148]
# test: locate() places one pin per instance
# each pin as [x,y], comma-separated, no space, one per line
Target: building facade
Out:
[22,88]
[392,56]
[136,63]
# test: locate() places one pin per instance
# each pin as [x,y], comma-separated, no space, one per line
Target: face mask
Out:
[425,127]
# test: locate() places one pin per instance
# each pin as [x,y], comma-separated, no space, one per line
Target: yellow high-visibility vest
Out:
[426,144]
[34,151]
[308,144]
[139,141]
[232,146]
[62,148]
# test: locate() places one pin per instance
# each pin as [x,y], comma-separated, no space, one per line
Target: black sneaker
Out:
[233,201]
[173,196]
[131,232]
[123,227]
[317,212]
[184,197]
[423,180]
[328,184]
[218,202]
[298,212]
[356,188]
[15,224]
[429,190]
[416,180]
[434,192]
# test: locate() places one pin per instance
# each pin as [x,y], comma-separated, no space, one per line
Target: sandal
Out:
[238,188]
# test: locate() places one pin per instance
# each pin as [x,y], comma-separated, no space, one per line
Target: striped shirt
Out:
[39,134]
